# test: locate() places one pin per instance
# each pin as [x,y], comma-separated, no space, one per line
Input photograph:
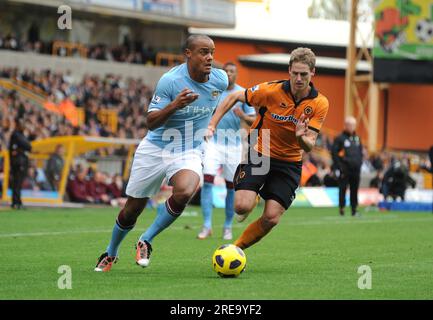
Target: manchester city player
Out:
[179,113]
[224,151]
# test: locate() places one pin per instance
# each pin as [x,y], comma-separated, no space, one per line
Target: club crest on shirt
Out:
[346,143]
[256,87]
[283,105]
[214,94]
[308,110]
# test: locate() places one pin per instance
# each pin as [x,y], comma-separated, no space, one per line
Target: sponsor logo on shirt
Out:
[290,118]
[196,110]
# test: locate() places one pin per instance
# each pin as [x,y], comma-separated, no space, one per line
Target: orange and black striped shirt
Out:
[278,112]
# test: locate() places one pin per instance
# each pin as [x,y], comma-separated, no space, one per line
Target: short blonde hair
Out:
[303,55]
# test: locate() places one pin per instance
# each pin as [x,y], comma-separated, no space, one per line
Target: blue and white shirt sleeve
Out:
[224,80]
[163,94]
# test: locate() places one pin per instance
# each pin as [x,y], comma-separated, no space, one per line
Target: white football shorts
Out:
[152,164]
[218,155]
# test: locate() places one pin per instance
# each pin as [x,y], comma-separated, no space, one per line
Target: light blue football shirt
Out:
[185,129]
[227,132]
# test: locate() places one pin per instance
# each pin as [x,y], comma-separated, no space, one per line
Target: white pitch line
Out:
[349,220]
[55,233]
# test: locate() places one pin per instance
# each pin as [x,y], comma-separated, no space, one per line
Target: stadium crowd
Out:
[129,51]
[128,98]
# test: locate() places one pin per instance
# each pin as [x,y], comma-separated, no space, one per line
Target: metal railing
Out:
[70,47]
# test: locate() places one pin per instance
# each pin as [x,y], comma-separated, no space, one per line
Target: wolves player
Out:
[290,116]
[182,105]
[224,151]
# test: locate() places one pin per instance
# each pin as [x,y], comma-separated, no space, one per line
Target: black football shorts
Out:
[278,183]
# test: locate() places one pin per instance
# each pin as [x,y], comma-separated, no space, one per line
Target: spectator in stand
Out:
[11,42]
[117,187]
[30,182]
[396,180]
[366,166]
[117,191]
[78,189]
[54,167]
[330,179]
[33,33]
[98,189]
[309,176]
[377,161]
[35,179]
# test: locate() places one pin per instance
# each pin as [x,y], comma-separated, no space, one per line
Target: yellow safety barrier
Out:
[74,146]
[70,47]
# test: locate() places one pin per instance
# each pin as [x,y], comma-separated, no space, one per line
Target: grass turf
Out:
[311,254]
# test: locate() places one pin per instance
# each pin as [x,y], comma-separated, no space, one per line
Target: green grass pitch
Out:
[311,254]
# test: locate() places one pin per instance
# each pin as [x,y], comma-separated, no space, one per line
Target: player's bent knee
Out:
[127,217]
[242,206]
[183,197]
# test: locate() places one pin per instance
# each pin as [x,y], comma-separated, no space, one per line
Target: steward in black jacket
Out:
[347,157]
[19,145]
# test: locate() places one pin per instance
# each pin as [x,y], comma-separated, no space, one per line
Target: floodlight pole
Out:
[355,102]
[351,61]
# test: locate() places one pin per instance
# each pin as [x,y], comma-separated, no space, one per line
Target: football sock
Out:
[252,234]
[206,204]
[165,217]
[160,208]
[230,212]
[118,234]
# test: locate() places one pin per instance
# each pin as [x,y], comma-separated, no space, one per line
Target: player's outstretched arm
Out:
[248,119]
[223,108]
[305,137]
[157,118]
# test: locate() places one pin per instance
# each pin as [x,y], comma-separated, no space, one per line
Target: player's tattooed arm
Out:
[157,118]
[223,108]
[305,137]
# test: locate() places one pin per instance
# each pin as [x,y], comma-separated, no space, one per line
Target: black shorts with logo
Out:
[278,183]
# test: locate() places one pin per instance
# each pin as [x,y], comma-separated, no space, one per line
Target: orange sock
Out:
[252,234]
